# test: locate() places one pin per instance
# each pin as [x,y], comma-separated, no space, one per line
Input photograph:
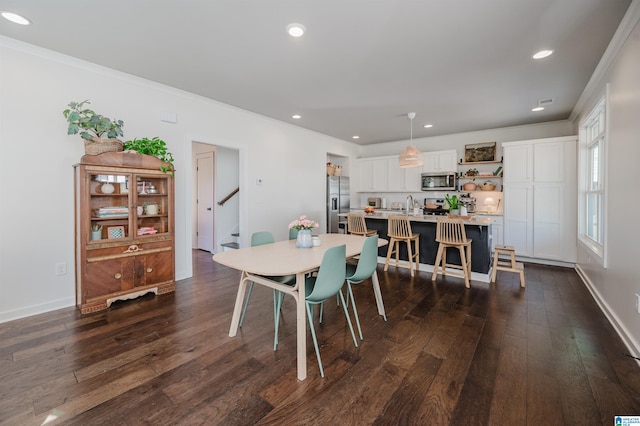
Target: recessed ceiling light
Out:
[296,30]
[15,18]
[428,126]
[355,137]
[542,54]
[296,116]
[536,109]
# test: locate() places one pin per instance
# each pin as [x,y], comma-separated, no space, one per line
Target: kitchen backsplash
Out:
[486,201]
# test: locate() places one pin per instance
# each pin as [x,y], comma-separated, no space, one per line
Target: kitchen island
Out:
[478,229]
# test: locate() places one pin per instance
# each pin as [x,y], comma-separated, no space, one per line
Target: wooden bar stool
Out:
[399,230]
[451,233]
[509,265]
[356,225]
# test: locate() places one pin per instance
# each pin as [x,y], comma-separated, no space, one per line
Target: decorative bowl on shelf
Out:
[469,186]
[488,186]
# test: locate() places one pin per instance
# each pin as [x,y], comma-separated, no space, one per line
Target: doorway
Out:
[215,174]
[204,200]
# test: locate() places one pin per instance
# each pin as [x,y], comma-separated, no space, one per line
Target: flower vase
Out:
[304,239]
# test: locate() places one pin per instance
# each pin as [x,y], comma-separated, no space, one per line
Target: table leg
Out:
[378,293]
[237,310]
[301,327]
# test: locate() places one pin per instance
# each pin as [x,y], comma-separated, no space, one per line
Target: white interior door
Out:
[204,164]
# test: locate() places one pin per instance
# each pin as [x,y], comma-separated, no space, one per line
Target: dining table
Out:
[257,263]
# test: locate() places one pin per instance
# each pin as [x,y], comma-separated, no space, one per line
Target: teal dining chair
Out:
[364,270]
[258,239]
[325,285]
[293,234]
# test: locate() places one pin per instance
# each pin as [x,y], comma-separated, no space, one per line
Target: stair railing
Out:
[231,194]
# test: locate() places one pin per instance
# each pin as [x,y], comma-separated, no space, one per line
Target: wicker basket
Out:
[100,145]
[487,186]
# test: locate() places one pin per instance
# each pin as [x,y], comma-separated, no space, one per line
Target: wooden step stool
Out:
[509,265]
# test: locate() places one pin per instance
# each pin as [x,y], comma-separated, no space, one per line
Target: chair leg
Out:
[444,260]
[355,309]
[389,253]
[277,307]
[378,294]
[246,303]
[313,334]
[495,267]
[346,314]
[436,266]
[410,253]
[465,267]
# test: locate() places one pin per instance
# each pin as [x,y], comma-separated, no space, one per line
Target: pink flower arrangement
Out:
[303,223]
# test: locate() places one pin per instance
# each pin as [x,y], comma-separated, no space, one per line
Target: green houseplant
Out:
[92,127]
[154,146]
[453,203]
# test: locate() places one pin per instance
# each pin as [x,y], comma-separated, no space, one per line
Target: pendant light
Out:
[411,157]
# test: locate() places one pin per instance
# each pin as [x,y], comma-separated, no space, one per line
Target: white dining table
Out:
[284,258]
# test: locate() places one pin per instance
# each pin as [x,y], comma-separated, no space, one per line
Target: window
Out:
[593,138]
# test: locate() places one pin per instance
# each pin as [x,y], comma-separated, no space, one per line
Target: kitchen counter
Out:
[471,219]
[478,229]
[488,213]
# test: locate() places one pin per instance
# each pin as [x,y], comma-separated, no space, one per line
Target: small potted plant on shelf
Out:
[470,186]
[155,147]
[96,232]
[92,127]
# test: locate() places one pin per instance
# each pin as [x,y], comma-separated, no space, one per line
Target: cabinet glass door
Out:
[109,206]
[152,212]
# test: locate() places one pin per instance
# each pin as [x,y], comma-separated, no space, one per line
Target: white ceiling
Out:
[461,65]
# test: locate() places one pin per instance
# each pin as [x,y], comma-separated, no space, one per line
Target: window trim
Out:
[597,250]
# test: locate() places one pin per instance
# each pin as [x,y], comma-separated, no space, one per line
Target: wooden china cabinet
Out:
[124,226]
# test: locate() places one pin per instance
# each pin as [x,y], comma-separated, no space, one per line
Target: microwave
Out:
[439,181]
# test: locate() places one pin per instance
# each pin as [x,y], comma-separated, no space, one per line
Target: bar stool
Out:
[399,230]
[451,233]
[509,265]
[356,225]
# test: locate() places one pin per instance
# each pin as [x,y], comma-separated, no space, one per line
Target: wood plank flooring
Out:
[490,355]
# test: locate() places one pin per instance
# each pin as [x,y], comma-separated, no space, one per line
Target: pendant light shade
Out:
[411,157]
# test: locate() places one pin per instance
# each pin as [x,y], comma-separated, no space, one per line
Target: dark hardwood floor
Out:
[491,355]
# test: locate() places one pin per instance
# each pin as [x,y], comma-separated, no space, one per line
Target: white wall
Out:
[616,286]
[36,174]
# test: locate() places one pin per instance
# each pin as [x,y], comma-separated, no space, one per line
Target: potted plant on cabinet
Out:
[154,146]
[92,127]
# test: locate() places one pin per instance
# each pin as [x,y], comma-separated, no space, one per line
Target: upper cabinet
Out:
[440,161]
[372,174]
[384,174]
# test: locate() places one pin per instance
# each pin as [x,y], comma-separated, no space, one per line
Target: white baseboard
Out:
[36,309]
[620,329]
[546,262]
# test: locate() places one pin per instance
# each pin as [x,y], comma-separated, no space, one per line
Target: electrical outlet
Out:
[638,303]
[61,268]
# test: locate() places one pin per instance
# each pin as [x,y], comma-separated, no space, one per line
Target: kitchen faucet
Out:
[409,203]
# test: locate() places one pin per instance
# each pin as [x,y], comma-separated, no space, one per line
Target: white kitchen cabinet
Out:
[372,174]
[440,161]
[384,174]
[540,198]
[402,180]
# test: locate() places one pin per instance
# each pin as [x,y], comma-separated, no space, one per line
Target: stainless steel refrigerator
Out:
[338,202]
